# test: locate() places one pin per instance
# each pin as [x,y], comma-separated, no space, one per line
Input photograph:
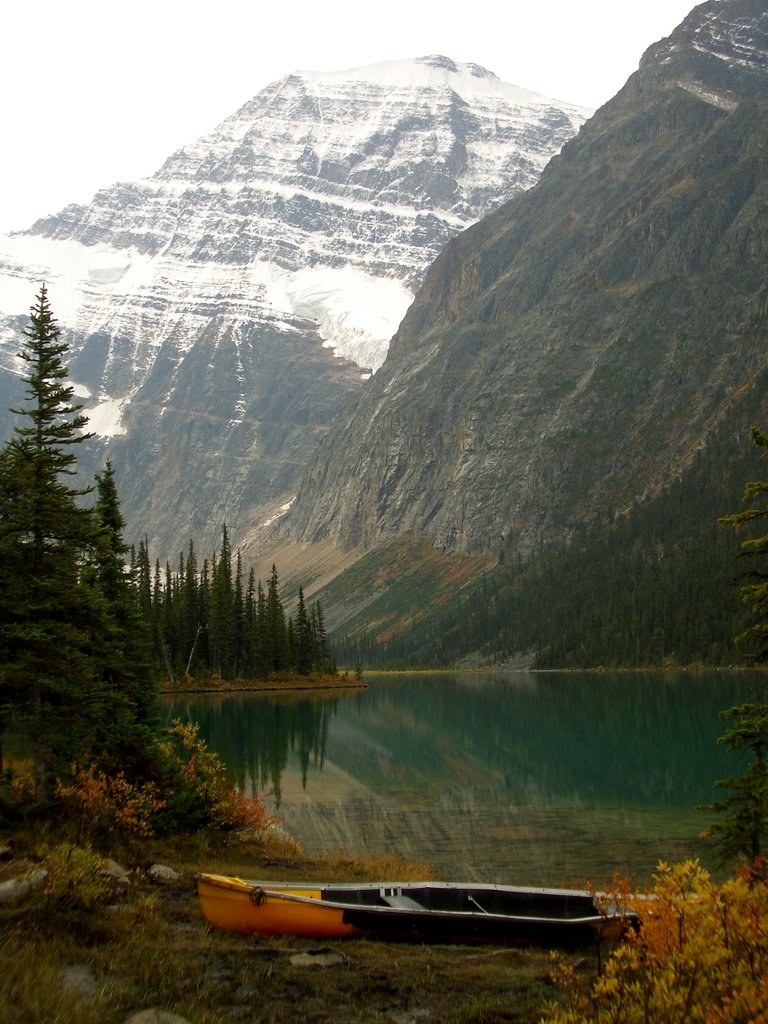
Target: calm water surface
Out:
[529,778]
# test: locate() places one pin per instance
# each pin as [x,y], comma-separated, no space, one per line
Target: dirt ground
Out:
[152,949]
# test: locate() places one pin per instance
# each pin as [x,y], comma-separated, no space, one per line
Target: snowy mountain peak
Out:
[435,74]
[303,222]
[329,193]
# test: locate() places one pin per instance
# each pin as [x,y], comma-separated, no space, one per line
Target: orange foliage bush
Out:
[701,955]
[191,793]
[243,814]
[104,804]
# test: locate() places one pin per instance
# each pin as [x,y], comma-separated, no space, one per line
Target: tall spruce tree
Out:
[221,628]
[753,642]
[320,637]
[127,662]
[276,640]
[48,621]
[238,621]
[742,830]
[263,663]
[194,624]
[302,638]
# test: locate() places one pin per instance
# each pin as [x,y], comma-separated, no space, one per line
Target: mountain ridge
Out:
[567,355]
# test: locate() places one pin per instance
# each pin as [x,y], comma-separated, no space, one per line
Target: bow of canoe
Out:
[238,906]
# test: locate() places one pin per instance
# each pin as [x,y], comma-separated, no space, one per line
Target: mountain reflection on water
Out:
[535,778]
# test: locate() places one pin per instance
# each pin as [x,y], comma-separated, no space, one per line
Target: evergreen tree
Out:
[276,638]
[48,620]
[290,646]
[742,830]
[205,613]
[194,624]
[168,635]
[320,637]
[127,664]
[302,638]
[250,639]
[263,662]
[13,590]
[221,624]
[141,571]
[157,610]
[754,593]
[238,621]
[743,827]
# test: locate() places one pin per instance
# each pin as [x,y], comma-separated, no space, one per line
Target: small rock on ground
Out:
[156,1017]
[116,875]
[16,888]
[79,978]
[162,873]
[111,867]
[323,958]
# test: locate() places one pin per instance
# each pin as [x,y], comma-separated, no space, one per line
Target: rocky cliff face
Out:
[566,356]
[220,313]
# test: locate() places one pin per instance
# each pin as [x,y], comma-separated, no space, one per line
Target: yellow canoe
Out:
[239,906]
[424,912]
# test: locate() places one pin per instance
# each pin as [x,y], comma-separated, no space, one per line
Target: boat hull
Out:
[237,906]
[428,912]
[472,929]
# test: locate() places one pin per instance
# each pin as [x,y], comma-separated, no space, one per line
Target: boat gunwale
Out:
[483,915]
[526,890]
[251,889]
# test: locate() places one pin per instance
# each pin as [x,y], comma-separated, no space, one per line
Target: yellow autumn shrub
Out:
[74,877]
[700,956]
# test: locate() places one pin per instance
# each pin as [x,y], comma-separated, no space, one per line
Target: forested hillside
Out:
[656,586]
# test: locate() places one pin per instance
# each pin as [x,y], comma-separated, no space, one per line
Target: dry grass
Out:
[152,949]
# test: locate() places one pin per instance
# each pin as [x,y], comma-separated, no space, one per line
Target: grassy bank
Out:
[149,948]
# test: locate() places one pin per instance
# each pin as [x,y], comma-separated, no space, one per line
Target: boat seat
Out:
[401,902]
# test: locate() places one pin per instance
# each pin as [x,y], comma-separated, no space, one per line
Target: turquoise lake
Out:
[530,778]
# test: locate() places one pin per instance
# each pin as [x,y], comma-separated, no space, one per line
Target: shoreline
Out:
[345,682]
[289,685]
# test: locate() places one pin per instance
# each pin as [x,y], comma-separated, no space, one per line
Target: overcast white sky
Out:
[95,92]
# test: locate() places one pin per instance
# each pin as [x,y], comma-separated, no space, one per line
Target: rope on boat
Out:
[257,896]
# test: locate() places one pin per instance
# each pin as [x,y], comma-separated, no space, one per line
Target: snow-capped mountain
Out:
[222,311]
